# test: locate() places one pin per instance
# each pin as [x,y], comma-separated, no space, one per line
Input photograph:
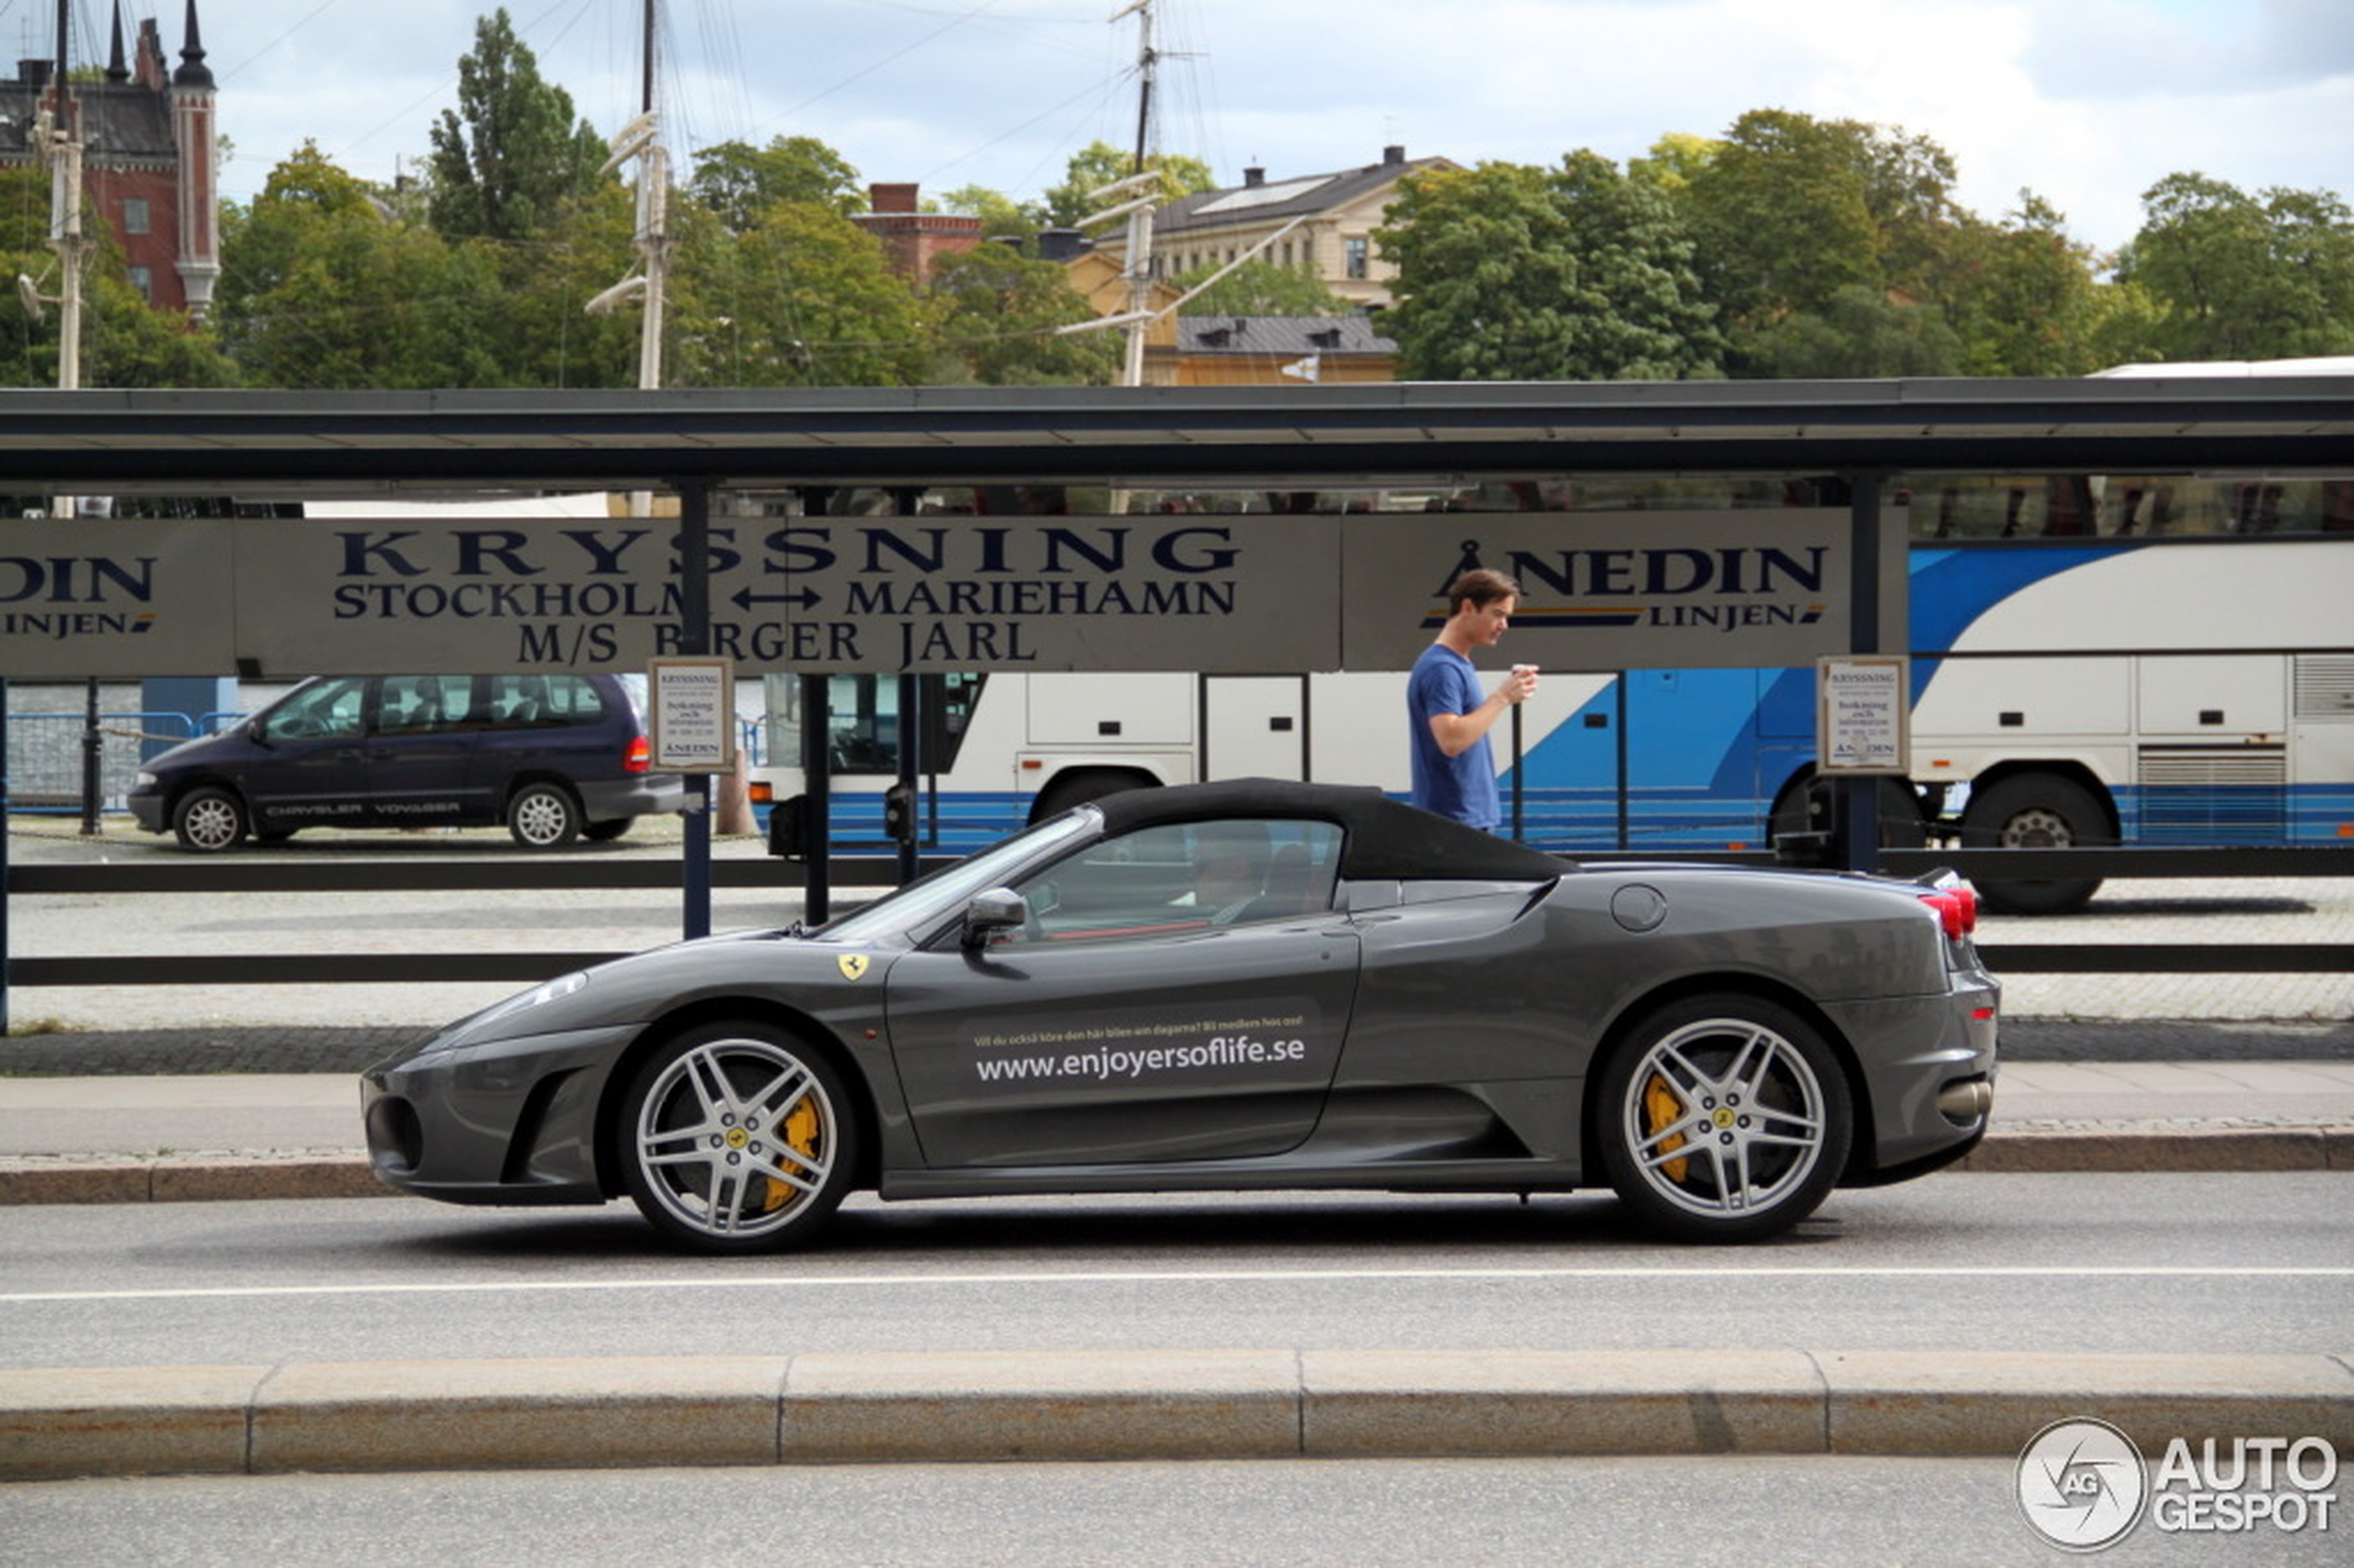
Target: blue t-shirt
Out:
[1462,785]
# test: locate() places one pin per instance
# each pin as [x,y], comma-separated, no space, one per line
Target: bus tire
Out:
[2035,811]
[1076,789]
[1806,807]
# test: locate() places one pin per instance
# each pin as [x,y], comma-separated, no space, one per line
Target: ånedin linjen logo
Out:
[2082,1485]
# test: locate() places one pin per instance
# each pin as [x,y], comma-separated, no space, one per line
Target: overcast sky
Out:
[2087,102]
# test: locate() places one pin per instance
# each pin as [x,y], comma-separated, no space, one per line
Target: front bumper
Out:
[147,811]
[512,1121]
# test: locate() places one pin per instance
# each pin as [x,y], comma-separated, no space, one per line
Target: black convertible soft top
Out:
[1384,837]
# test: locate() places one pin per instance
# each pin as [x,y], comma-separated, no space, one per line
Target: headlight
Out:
[473,1026]
[146,781]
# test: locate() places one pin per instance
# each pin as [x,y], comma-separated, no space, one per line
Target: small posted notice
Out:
[1863,713]
[695,714]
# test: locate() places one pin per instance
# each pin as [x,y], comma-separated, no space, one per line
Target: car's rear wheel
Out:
[543,816]
[1725,1119]
[209,820]
[739,1138]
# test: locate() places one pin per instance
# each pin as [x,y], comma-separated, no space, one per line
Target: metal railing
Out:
[523,967]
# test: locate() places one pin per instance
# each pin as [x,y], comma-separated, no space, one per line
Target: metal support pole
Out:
[3,857]
[694,640]
[1855,801]
[817,792]
[93,757]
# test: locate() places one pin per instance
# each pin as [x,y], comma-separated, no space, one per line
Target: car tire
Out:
[543,817]
[211,820]
[604,832]
[2035,811]
[737,1137]
[1724,1118]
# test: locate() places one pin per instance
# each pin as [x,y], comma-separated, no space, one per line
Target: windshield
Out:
[921,901]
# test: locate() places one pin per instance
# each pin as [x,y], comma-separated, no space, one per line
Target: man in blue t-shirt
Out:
[1454,768]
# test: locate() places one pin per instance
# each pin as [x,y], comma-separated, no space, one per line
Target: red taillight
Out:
[640,755]
[1956,909]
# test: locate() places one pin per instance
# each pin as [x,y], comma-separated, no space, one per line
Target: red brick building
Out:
[913,240]
[149,163]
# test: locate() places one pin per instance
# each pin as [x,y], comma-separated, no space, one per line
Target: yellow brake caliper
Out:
[801,1136]
[1664,1109]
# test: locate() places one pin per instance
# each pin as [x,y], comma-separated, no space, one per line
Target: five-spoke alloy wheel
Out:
[737,1138]
[1724,1118]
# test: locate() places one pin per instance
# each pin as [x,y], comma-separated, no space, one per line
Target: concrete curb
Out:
[875,1408]
[190,1178]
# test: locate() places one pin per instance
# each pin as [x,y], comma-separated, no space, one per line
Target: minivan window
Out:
[333,710]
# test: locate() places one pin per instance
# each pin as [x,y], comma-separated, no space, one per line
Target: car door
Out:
[419,748]
[1127,1023]
[313,769]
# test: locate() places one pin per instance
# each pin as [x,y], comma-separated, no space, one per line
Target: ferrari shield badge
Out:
[854,966]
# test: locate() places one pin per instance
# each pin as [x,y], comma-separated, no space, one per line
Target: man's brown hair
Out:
[1483,585]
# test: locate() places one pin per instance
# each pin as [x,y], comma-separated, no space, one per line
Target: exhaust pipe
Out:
[1966,1100]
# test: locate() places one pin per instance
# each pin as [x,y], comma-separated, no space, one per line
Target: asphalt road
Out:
[2111,1264]
[1364,1513]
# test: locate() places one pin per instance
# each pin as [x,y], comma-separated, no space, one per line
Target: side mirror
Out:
[999,909]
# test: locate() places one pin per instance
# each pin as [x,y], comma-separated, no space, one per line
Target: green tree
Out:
[125,342]
[803,297]
[511,152]
[1859,331]
[998,312]
[320,288]
[738,180]
[2021,296]
[1099,164]
[1510,272]
[1001,216]
[2239,277]
[1262,288]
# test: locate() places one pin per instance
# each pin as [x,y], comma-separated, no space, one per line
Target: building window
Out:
[135,215]
[143,279]
[1357,251]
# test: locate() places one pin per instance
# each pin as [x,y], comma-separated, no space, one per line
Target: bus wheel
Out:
[2035,811]
[1070,790]
[1806,807]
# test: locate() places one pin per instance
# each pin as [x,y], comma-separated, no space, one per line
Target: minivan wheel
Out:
[209,820]
[543,817]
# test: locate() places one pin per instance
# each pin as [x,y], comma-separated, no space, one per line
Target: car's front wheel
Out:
[1724,1118]
[209,820]
[739,1138]
[543,816]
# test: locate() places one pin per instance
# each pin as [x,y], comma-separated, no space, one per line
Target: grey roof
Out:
[1279,199]
[1288,336]
[119,121]
[124,442]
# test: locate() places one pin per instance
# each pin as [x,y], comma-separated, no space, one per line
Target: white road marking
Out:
[1175,1276]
